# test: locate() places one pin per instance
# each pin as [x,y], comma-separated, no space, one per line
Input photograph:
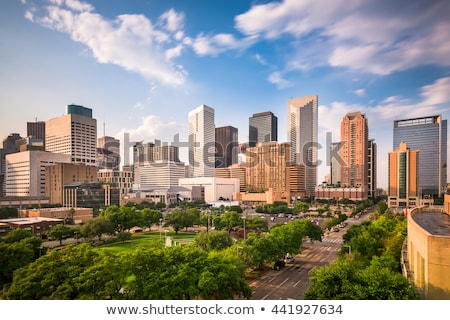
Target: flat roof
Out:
[436,223]
[29,220]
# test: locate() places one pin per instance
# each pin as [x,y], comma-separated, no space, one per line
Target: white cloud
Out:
[436,93]
[360,92]
[215,44]
[277,79]
[130,41]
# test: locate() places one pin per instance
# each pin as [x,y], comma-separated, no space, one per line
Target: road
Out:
[292,281]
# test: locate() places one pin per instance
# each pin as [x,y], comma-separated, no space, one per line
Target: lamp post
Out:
[76,235]
[244,217]
[160,231]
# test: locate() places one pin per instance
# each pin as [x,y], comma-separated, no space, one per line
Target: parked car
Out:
[336,229]
[278,264]
[289,259]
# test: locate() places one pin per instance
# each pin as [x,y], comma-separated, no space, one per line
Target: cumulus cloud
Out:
[131,41]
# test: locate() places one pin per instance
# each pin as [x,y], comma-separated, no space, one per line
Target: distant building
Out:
[90,195]
[335,164]
[372,169]
[403,180]
[429,136]
[201,142]
[226,140]
[36,130]
[263,127]
[234,171]
[37,225]
[74,134]
[121,179]
[76,215]
[108,153]
[25,172]
[215,189]
[302,125]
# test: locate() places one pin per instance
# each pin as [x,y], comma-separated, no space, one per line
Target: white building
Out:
[25,172]
[202,142]
[160,174]
[215,188]
[74,134]
[302,135]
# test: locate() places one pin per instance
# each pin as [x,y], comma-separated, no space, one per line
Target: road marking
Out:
[284,281]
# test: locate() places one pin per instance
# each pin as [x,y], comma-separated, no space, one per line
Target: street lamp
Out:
[160,222]
[76,235]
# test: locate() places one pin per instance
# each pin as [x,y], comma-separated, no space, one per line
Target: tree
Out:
[258,250]
[97,227]
[150,217]
[60,232]
[209,241]
[179,219]
[17,235]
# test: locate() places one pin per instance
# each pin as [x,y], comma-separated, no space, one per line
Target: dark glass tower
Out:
[226,146]
[428,135]
[263,127]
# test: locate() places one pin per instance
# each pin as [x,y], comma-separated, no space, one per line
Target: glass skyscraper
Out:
[428,135]
[263,127]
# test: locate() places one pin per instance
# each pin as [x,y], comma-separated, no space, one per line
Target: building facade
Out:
[302,126]
[25,172]
[429,136]
[403,187]
[202,142]
[36,130]
[226,139]
[121,179]
[372,169]
[108,153]
[74,133]
[262,127]
[354,150]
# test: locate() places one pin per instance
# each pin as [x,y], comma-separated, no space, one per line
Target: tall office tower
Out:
[75,134]
[36,130]
[429,136]
[403,189]
[226,146]
[126,149]
[108,153]
[335,165]
[372,169]
[201,142]
[354,150]
[263,127]
[302,135]
[9,146]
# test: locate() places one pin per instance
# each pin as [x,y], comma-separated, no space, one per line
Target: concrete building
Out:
[426,258]
[335,164]
[262,127]
[429,136]
[336,193]
[25,172]
[234,171]
[108,153]
[36,130]
[160,174]
[354,150]
[215,189]
[372,169]
[226,146]
[59,174]
[403,179]
[121,179]
[90,195]
[74,133]
[302,126]
[202,142]
[77,215]
[37,225]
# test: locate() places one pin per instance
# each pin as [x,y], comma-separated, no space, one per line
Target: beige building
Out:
[234,171]
[427,262]
[122,179]
[403,177]
[57,175]
[215,189]
[25,172]
[74,134]
[78,215]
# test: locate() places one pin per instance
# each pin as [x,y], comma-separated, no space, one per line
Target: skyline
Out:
[143,66]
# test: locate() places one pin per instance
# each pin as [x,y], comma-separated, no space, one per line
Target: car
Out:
[278,264]
[289,259]
[336,229]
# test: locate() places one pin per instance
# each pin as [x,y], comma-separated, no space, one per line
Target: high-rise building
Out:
[335,164]
[354,150]
[36,130]
[226,146]
[108,153]
[202,142]
[263,127]
[403,177]
[302,135]
[372,169]
[428,135]
[74,133]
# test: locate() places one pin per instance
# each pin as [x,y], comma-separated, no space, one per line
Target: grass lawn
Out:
[146,238]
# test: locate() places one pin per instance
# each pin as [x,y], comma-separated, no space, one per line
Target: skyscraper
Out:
[302,136]
[74,133]
[354,150]
[428,135]
[263,127]
[36,130]
[403,177]
[201,142]
[108,153]
[226,146]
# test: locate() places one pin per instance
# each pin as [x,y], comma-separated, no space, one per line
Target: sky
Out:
[142,65]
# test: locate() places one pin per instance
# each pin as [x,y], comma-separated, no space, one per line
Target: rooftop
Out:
[436,223]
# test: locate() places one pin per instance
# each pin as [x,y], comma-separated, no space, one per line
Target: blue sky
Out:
[142,65]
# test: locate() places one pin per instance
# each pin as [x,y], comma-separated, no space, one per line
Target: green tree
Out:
[179,219]
[17,235]
[60,232]
[217,240]
[97,227]
[150,217]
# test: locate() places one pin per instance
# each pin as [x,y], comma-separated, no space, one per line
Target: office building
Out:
[263,127]
[202,142]
[302,133]
[335,164]
[372,169]
[108,153]
[428,135]
[122,179]
[25,172]
[354,150]
[403,177]
[74,133]
[160,175]
[226,146]
[36,130]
